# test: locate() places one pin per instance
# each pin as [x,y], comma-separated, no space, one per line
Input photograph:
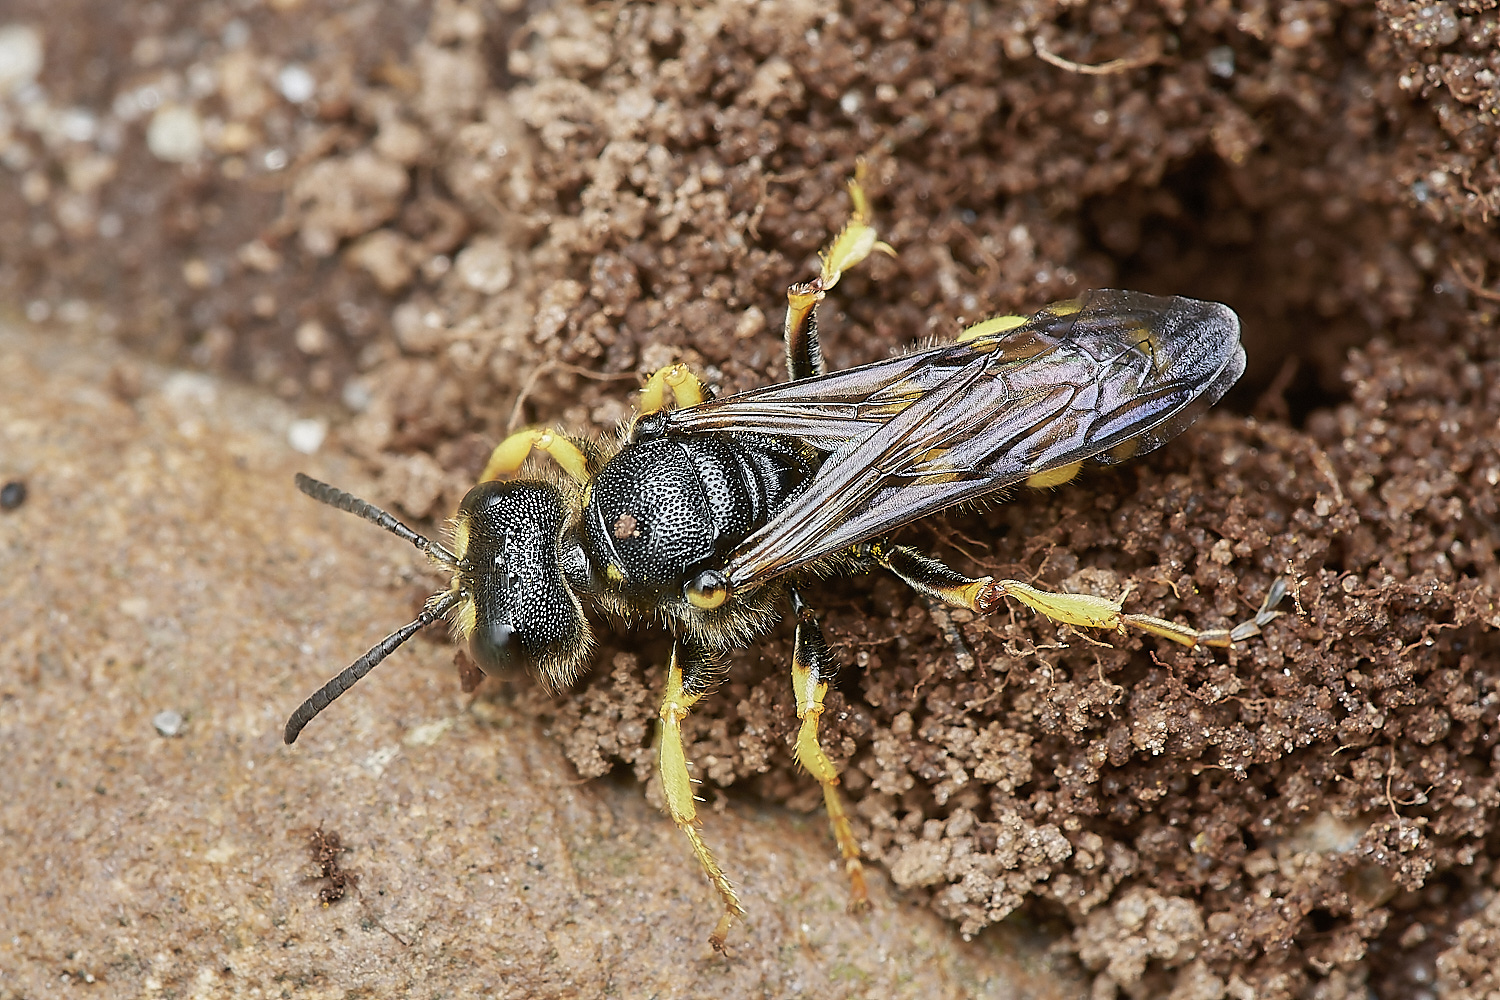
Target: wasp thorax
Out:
[519,610]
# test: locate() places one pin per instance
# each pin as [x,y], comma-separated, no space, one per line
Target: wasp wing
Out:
[1100,378]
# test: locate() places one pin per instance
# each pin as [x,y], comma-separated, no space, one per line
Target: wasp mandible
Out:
[711,516]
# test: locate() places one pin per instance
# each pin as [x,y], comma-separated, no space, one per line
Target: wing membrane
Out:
[1100,378]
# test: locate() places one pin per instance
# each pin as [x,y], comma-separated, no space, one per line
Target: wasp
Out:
[711,515]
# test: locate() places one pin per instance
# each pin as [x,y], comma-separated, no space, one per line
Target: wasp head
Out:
[517,609]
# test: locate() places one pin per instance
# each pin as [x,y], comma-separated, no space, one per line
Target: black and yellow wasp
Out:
[710,516]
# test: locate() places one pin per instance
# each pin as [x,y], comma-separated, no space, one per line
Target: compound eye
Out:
[495,646]
[707,590]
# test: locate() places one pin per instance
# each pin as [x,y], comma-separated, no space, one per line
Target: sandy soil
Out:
[421,227]
[168,599]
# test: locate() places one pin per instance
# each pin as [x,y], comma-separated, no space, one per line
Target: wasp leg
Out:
[1099,612]
[934,579]
[681,695]
[853,244]
[982,595]
[812,668]
[685,387]
[508,456]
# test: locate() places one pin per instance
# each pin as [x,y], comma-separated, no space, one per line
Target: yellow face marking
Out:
[1066,307]
[1053,477]
[464,618]
[460,535]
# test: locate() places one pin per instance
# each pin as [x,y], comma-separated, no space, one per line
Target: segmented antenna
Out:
[439,606]
[335,497]
[329,693]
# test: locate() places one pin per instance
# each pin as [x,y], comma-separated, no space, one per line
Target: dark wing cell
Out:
[1100,378]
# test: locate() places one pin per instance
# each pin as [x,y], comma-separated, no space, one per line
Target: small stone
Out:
[175,134]
[402,142]
[296,83]
[386,255]
[313,338]
[167,722]
[20,57]
[196,273]
[306,436]
[12,494]
[257,256]
[235,137]
[485,266]
[1220,62]
[751,322]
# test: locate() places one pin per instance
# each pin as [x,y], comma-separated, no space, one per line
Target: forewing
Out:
[1100,378]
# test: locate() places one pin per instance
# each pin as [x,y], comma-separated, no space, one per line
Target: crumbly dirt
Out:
[168,598]
[430,226]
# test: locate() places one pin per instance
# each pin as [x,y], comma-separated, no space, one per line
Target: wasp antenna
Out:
[335,497]
[329,693]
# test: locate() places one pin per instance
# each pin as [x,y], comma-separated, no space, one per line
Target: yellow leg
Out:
[508,456]
[684,385]
[677,787]
[982,596]
[856,241]
[1098,612]
[809,693]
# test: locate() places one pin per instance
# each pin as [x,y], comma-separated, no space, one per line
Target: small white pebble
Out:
[357,395]
[167,722]
[485,266]
[306,436]
[77,124]
[175,134]
[296,83]
[20,57]
[312,338]
[1220,62]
